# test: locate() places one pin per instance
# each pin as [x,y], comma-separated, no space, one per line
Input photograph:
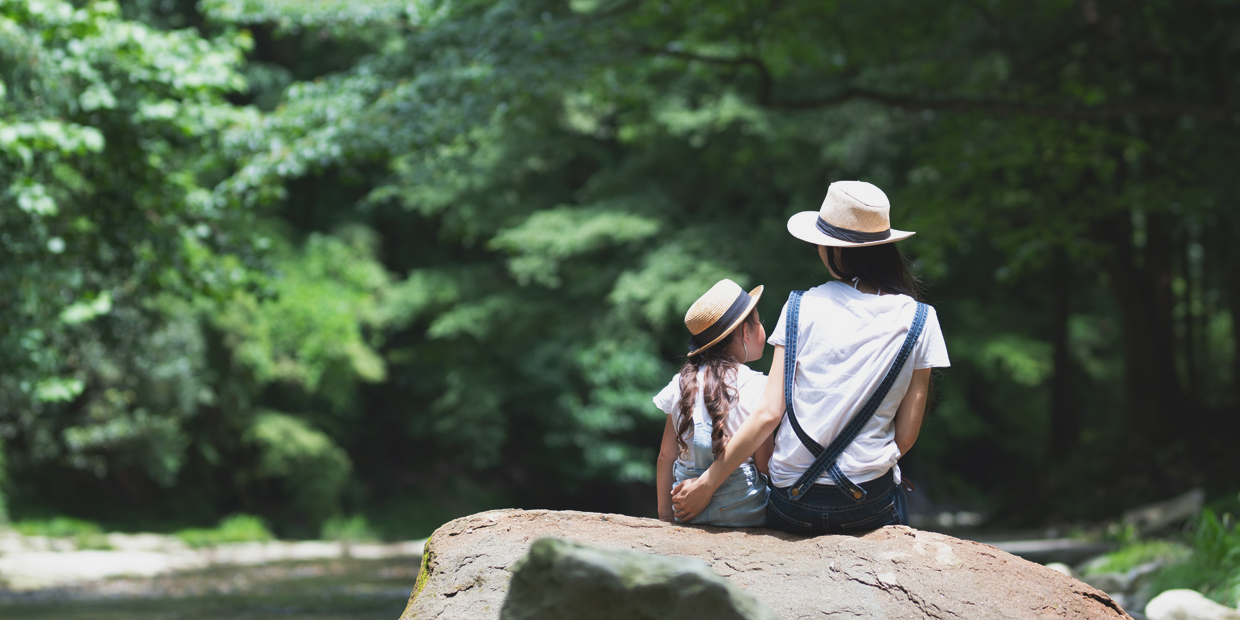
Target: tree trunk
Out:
[1232,271]
[1143,291]
[1192,367]
[1065,425]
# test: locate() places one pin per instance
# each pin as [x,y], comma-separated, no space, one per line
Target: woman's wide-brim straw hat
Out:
[854,214]
[717,313]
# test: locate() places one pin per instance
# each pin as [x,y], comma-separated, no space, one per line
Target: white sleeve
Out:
[931,350]
[668,398]
[750,393]
[776,339]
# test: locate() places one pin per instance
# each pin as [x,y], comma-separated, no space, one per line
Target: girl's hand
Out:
[663,471]
[690,499]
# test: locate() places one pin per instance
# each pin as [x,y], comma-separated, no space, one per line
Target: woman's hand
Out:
[690,498]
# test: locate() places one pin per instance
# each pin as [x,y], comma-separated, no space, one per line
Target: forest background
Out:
[411,260]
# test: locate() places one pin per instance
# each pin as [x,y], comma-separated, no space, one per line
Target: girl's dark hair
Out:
[717,391]
[883,266]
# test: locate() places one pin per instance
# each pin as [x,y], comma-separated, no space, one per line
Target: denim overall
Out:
[739,502]
[845,507]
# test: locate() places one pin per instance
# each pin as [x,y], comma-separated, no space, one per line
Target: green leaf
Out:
[83,311]
[58,390]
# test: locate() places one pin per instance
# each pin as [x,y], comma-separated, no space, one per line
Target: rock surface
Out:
[562,580]
[1187,605]
[894,572]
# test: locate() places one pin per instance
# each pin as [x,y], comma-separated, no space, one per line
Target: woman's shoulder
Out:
[903,308]
[843,295]
[841,291]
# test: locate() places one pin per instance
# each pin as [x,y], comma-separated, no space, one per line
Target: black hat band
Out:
[851,236]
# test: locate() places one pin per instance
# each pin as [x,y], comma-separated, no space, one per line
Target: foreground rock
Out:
[889,573]
[1187,605]
[562,580]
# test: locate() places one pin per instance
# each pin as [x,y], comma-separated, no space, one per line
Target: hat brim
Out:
[804,226]
[754,296]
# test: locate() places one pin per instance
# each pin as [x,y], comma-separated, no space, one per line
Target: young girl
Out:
[851,372]
[706,402]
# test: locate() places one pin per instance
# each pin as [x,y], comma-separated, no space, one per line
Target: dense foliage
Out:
[305,259]
[108,150]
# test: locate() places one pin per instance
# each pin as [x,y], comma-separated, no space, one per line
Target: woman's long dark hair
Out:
[717,390]
[883,266]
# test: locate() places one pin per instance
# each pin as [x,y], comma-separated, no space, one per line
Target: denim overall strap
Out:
[825,458]
[702,454]
[792,329]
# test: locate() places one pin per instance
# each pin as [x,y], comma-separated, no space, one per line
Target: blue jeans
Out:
[825,509]
[739,502]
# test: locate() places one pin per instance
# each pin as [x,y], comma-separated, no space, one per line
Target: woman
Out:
[860,354]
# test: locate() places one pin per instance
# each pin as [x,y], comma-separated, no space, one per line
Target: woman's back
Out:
[847,340]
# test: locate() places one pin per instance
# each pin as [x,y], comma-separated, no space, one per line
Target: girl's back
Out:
[745,383]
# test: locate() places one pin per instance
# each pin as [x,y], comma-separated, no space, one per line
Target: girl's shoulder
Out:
[748,377]
[744,374]
[749,386]
[669,397]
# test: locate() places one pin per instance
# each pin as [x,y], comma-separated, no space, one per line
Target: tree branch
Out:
[766,82]
[1141,109]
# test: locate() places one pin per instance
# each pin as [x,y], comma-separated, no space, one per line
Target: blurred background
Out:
[369,266]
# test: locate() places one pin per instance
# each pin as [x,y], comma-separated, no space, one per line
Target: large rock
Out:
[562,580]
[893,572]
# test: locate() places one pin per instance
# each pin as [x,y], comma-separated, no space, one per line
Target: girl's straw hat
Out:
[853,214]
[714,315]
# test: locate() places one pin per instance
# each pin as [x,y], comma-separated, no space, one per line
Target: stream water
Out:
[320,590]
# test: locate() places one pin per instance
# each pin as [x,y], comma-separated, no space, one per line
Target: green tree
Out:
[108,149]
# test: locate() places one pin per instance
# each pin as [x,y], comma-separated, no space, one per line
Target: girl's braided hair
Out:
[717,391]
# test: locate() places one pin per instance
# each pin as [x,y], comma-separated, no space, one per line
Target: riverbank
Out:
[336,589]
[29,563]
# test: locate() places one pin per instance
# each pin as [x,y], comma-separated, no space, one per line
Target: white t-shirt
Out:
[749,386]
[846,343]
